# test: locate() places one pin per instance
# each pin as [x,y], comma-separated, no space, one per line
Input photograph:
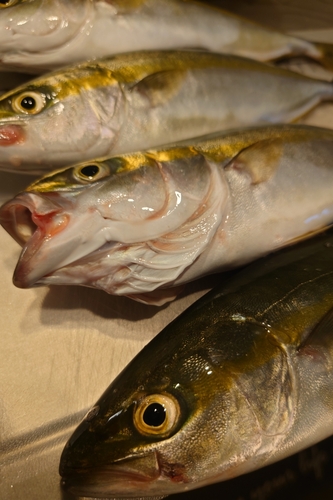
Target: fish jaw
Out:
[130,478]
[38,224]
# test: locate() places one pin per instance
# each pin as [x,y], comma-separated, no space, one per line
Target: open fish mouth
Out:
[32,220]
[27,214]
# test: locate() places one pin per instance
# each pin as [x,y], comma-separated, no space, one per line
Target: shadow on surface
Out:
[113,307]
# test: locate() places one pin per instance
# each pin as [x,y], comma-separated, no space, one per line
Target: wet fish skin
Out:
[141,100]
[140,223]
[46,34]
[246,373]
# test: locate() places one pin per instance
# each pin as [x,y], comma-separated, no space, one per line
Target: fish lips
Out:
[132,477]
[33,220]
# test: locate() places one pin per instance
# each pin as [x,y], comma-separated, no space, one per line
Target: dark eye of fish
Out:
[90,171]
[157,415]
[154,415]
[28,103]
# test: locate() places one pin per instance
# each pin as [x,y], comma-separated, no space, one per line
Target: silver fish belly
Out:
[136,223]
[141,100]
[242,379]
[46,34]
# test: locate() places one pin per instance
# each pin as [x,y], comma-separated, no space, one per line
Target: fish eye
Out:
[7,3]
[91,172]
[29,103]
[157,415]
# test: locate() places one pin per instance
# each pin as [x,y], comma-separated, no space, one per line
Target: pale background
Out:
[61,347]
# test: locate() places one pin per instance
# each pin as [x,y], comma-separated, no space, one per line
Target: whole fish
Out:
[242,379]
[46,34]
[141,100]
[135,223]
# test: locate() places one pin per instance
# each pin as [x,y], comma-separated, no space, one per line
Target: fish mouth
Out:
[31,220]
[11,134]
[130,478]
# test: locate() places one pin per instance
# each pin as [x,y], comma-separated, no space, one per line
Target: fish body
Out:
[140,100]
[46,34]
[240,380]
[136,223]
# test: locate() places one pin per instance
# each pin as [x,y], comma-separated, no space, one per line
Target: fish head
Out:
[173,420]
[132,223]
[59,119]
[28,28]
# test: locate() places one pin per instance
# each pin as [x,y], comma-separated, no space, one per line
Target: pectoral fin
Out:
[259,161]
[274,413]
[308,235]
[160,87]
[319,343]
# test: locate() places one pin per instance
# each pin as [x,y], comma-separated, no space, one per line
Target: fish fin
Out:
[319,342]
[158,297]
[274,415]
[259,161]
[308,235]
[160,87]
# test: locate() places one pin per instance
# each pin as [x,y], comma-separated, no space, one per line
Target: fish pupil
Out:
[90,170]
[28,103]
[154,415]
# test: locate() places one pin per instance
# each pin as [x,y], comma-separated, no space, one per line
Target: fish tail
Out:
[325,56]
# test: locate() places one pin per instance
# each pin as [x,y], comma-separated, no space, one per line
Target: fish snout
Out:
[134,476]
[11,134]
[28,212]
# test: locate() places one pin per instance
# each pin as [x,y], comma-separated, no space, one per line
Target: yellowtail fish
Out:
[240,380]
[46,34]
[141,100]
[136,223]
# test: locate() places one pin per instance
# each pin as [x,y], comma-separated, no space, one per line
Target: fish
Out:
[43,35]
[144,224]
[141,100]
[240,380]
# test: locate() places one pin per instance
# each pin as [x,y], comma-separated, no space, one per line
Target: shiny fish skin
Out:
[142,100]
[46,34]
[245,376]
[137,223]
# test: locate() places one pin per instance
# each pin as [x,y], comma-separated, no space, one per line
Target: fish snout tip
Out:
[26,213]
[11,134]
